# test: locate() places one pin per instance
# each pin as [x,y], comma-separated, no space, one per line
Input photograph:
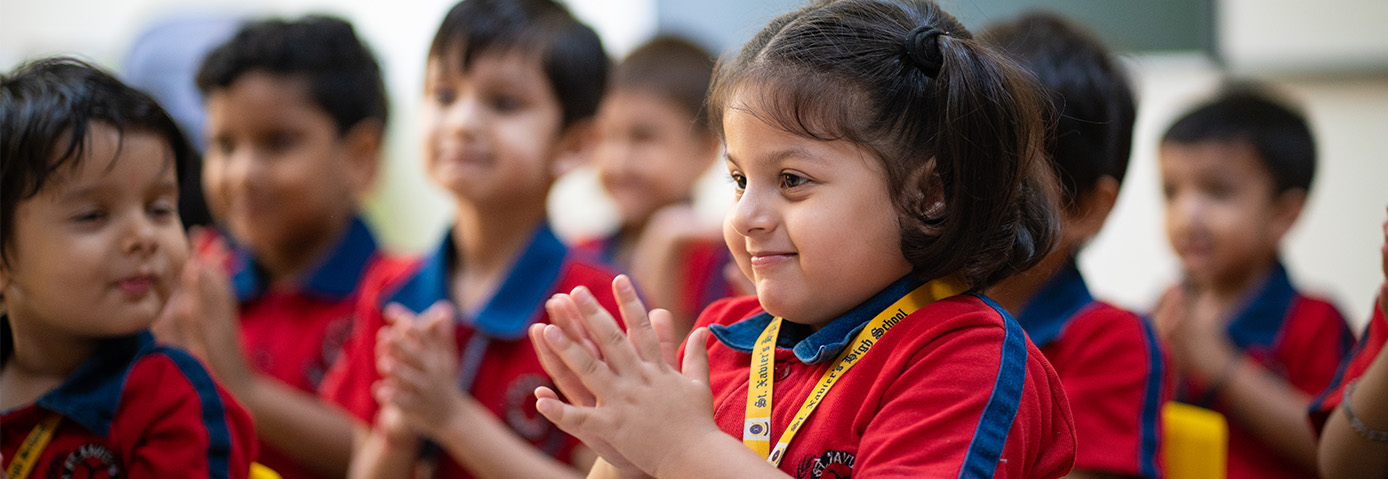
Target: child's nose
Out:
[464,116]
[141,234]
[752,213]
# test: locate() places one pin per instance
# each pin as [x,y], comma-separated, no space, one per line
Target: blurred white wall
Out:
[1333,250]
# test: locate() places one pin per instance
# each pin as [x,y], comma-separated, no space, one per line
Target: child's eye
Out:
[791,180]
[280,141]
[164,208]
[90,216]
[739,180]
[444,96]
[505,103]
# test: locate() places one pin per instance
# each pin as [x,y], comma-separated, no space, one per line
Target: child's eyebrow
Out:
[782,155]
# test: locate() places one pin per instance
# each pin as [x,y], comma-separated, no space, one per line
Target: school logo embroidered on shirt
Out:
[833,464]
[521,414]
[92,461]
[334,337]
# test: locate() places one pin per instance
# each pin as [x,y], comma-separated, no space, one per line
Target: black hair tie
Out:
[923,47]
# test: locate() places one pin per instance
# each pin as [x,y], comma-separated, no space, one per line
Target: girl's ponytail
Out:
[988,154]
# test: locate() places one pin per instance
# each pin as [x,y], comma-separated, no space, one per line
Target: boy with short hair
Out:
[655,142]
[296,110]
[1108,359]
[91,249]
[1235,175]
[510,91]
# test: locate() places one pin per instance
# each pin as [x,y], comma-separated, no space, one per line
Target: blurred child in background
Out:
[1107,358]
[440,382]
[296,110]
[655,143]
[91,250]
[1243,341]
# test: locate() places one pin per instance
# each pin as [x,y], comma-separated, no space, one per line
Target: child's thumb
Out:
[695,365]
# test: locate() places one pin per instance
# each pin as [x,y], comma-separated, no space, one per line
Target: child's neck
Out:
[39,363]
[487,241]
[1014,292]
[1228,291]
[288,265]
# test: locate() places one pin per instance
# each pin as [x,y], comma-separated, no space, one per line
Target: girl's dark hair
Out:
[343,77]
[673,68]
[570,52]
[46,108]
[1092,103]
[957,126]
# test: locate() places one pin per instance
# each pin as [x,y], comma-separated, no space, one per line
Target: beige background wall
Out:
[1331,55]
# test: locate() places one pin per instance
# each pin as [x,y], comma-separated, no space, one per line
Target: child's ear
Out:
[1286,209]
[575,148]
[363,145]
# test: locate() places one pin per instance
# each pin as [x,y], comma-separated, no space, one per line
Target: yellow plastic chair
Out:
[1195,443]
[259,471]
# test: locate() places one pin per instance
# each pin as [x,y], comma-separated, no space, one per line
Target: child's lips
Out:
[768,259]
[136,286]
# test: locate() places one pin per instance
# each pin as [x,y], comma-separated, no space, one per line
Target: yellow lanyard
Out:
[756,429]
[33,445]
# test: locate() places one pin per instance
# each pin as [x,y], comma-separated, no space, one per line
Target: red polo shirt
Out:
[1113,371]
[499,365]
[953,390]
[137,409]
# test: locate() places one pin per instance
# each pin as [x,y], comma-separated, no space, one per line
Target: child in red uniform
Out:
[1107,358]
[1235,174]
[1351,414]
[888,167]
[92,249]
[655,142]
[510,91]
[295,115]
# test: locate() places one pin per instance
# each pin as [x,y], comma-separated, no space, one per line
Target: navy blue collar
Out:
[1054,305]
[91,394]
[1259,320]
[813,347]
[332,279]
[513,306]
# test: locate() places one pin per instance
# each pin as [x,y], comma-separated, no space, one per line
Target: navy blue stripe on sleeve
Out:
[213,413]
[1151,406]
[991,435]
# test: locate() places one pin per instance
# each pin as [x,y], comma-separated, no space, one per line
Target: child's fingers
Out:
[563,312]
[396,313]
[612,342]
[664,325]
[438,328]
[573,420]
[563,378]
[543,392]
[634,314]
[696,356]
[593,374]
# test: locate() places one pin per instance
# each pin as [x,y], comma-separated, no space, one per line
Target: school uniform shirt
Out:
[136,409]
[294,333]
[1368,348]
[1296,337]
[1113,372]
[498,364]
[952,390]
